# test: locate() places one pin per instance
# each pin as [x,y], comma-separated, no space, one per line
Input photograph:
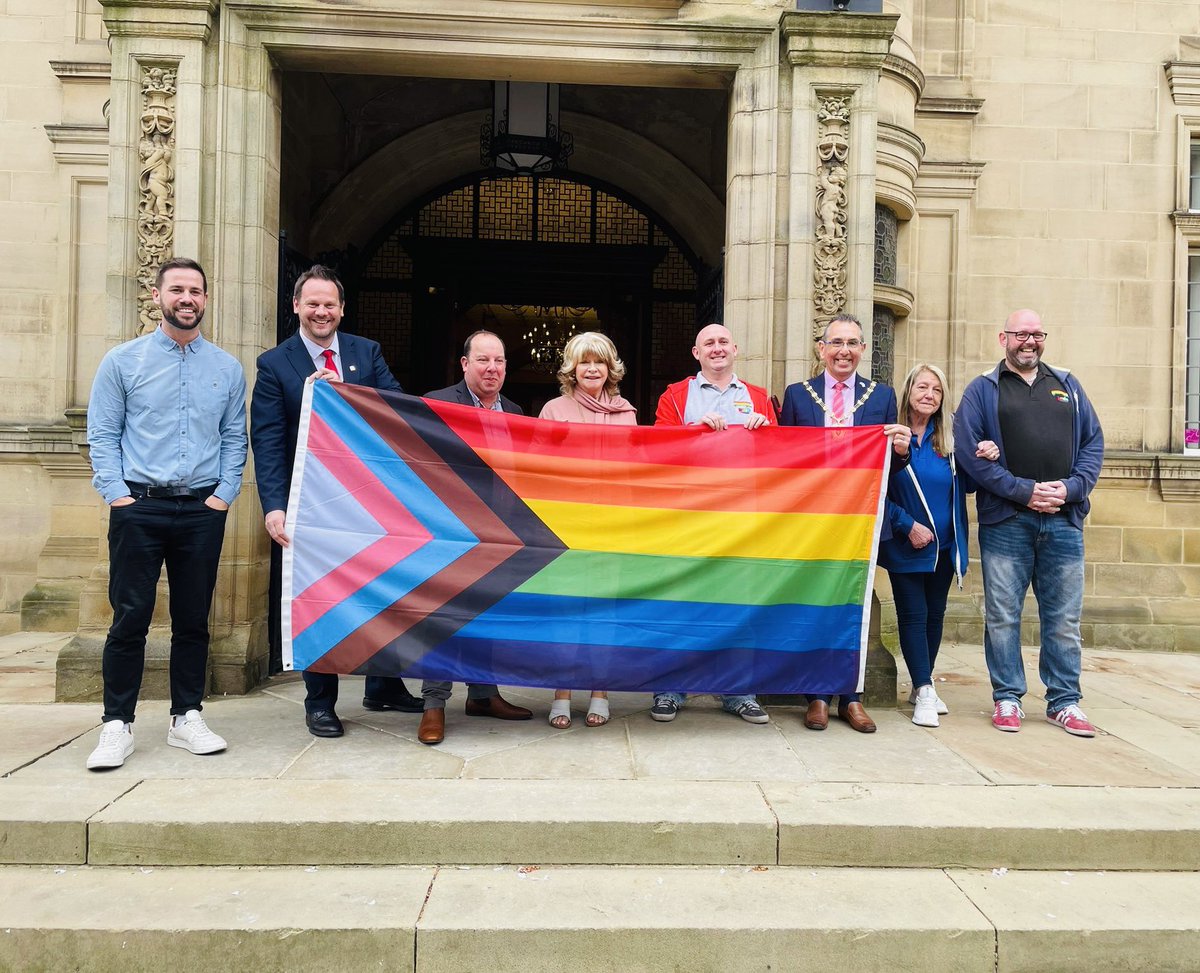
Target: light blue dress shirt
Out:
[168,416]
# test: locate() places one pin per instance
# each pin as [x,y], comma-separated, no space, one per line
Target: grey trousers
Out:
[436,693]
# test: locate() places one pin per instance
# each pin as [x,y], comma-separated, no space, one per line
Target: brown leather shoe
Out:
[817,717]
[856,716]
[498,708]
[433,726]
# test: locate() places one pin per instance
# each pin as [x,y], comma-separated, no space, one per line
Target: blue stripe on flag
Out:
[624,669]
[668,625]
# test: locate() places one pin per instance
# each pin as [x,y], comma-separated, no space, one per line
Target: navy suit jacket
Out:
[462,395]
[278,395]
[799,409]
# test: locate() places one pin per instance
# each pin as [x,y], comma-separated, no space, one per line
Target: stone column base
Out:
[51,606]
[234,666]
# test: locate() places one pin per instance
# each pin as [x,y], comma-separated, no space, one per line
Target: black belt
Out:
[170,492]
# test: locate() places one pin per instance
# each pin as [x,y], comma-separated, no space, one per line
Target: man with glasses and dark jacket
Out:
[1032,497]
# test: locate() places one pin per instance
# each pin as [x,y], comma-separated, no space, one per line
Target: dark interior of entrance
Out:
[534,258]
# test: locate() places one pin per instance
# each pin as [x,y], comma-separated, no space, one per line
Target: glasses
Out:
[1024,336]
[851,343]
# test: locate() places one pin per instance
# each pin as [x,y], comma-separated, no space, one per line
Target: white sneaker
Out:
[190,732]
[116,743]
[926,712]
[942,708]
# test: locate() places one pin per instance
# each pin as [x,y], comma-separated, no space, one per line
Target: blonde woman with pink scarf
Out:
[589,378]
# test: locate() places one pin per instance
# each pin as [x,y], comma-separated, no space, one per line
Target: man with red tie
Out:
[840,397]
[316,351]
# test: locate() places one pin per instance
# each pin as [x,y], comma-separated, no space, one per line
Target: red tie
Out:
[329,363]
[839,400]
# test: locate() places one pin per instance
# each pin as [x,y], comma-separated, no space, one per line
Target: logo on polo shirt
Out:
[1060,395]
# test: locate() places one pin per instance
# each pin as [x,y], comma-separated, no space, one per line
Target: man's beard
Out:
[174,322]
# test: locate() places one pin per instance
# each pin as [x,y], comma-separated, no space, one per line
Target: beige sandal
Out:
[597,714]
[560,710]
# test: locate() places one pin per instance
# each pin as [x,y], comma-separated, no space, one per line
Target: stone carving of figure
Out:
[156,179]
[831,201]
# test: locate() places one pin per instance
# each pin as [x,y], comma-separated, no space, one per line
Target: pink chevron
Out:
[404,534]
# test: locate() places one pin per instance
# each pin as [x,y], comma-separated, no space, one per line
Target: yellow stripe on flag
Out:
[698,533]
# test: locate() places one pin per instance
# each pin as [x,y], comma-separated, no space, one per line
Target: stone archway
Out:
[417,163]
[535,259]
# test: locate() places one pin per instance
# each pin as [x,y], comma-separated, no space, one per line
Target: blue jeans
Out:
[920,612]
[728,703]
[1046,550]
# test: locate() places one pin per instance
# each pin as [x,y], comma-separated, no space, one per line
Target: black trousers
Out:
[186,535]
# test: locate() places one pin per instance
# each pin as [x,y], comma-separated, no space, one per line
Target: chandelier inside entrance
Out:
[546,329]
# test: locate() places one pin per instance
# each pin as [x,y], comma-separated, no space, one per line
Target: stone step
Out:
[108,821]
[618,918]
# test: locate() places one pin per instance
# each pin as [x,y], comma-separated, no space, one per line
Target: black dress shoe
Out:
[408,703]
[324,723]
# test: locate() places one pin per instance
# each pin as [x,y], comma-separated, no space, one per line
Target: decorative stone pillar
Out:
[159,189]
[833,63]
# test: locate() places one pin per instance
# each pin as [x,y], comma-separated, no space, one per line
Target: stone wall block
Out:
[1173,611]
[1148,545]
[1151,638]
[1079,45]
[1187,637]
[1119,508]
[1191,541]
[1168,582]
[1102,543]
[1167,16]
[1117,611]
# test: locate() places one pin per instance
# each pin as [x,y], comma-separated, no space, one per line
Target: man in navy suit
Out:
[841,397]
[316,351]
[484,367]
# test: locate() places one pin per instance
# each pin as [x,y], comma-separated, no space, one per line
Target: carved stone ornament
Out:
[832,251]
[156,186]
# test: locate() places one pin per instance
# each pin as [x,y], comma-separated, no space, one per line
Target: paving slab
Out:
[899,751]
[32,644]
[1047,922]
[368,754]
[1120,690]
[31,731]
[45,822]
[380,822]
[263,734]
[580,752]
[1042,753]
[924,826]
[705,743]
[135,919]
[628,920]
[1171,743]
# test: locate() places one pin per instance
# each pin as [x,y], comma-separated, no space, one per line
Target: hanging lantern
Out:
[522,134]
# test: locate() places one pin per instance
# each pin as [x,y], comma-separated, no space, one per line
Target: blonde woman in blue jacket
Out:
[927,510]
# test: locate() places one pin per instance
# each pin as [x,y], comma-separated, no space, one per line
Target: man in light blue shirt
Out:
[167,432]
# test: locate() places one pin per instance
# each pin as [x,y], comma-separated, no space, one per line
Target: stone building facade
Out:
[928,167]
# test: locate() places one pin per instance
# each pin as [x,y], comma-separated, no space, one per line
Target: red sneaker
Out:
[1007,716]
[1071,719]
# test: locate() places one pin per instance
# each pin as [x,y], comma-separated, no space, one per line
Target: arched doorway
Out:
[535,259]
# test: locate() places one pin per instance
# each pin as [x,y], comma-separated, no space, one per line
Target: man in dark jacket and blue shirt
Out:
[1031,502]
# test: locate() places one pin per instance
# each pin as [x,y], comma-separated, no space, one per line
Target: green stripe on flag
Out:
[726,581]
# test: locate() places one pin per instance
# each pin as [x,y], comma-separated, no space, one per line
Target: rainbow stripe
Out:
[435,540]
